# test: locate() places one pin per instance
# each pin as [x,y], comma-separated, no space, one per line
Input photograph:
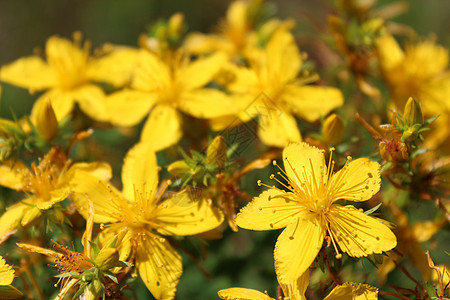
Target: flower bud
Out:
[107,258]
[176,25]
[46,122]
[216,154]
[178,168]
[333,130]
[93,290]
[412,113]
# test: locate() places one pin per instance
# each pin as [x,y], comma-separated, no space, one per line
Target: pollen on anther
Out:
[259,182]
[338,256]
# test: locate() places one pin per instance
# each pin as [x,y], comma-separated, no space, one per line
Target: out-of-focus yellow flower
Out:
[296,291]
[68,73]
[145,218]
[7,291]
[420,71]
[236,33]
[272,90]
[45,184]
[308,210]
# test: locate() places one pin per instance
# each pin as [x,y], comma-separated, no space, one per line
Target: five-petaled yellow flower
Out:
[68,73]
[146,218]
[45,184]
[7,291]
[163,89]
[308,210]
[296,291]
[272,90]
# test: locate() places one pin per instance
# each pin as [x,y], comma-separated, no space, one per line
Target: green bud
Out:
[410,134]
[216,154]
[412,114]
[107,258]
[178,168]
[333,130]
[93,290]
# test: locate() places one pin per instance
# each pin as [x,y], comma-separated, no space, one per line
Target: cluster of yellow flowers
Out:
[250,75]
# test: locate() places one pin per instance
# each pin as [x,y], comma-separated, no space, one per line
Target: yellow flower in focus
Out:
[163,89]
[140,211]
[419,71]
[308,210]
[67,75]
[296,291]
[45,184]
[7,291]
[272,90]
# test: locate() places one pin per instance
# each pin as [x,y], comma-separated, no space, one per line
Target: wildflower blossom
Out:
[145,217]
[272,90]
[308,210]
[163,89]
[67,75]
[45,184]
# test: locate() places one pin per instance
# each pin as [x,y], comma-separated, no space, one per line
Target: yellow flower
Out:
[45,184]
[296,291]
[165,88]
[420,71]
[271,90]
[7,291]
[308,210]
[145,218]
[87,268]
[67,75]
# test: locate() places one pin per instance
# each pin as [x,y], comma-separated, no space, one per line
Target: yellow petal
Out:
[40,250]
[32,212]
[6,273]
[129,107]
[184,214]
[9,292]
[159,266]
[115,68]
[100,170]
[65,56]
[242,294]
[200,72]
[312,102]
[29,72]
[353,291]
[140,173]
[297,247]
[12,176]
[237,17]
[151,73]
[92,101]
[358,234]
[105,198]
[62,102]
[389,52]
[278,128]
[56,195]
[162,128]
[207,104]
[282,56]
[297,289]
[272,209]
[11,218]
[301,162]
[359,180]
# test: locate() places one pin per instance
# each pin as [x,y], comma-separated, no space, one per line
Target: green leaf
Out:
[372,210]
